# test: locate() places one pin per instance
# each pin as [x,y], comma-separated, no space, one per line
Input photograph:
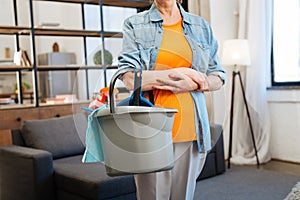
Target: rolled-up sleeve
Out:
[214,65]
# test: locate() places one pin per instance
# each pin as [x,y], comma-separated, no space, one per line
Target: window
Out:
[286,43]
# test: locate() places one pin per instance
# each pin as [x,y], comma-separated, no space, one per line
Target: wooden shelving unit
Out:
[10,68]
[127,3]
[33,31]
[11,30]
[118,3]
[22,30]
[72,67]
[72,33]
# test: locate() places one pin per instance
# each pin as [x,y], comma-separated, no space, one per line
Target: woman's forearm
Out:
[176,80]
[170,79]
[214,82]
[149,79]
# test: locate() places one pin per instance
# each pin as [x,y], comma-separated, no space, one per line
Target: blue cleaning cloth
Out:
[93,150]
[130,101]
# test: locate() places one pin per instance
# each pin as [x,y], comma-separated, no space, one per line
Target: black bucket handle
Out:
[137,86]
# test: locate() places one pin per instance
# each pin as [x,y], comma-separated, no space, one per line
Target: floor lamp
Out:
[236,53]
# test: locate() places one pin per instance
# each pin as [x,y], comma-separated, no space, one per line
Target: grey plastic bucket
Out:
[136,139]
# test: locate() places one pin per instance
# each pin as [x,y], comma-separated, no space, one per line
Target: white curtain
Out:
[255,23]
[201,8]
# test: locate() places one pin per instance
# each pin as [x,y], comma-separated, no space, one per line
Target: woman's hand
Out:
[183,80]
[199,78]
[176,82]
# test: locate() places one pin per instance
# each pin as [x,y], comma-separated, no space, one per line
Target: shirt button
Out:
[159,31]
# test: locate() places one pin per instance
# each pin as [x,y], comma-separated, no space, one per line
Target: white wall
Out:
[284,106]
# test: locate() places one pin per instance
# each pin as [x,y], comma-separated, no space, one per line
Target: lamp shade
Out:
[236,52]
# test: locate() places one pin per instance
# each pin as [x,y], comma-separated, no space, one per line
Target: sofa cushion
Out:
[60,136]
[89,180]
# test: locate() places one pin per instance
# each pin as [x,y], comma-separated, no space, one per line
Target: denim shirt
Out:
[142,36]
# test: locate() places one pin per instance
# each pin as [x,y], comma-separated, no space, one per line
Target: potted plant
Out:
[25,86]
[98,58]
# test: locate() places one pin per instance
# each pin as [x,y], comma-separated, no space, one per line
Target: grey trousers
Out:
[176,184]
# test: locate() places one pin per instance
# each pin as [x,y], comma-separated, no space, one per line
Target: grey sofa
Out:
[45,163]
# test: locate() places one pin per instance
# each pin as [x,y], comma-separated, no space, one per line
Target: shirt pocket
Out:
[203,56]
[144,43]
[144,36]
[145,49]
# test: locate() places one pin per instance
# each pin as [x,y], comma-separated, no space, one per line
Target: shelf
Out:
[23,30]
[32,106]
[13,29]
[11,68]
[119,3]
[71,67]
[73,33]
[127,3]
[74,1]
[16,106]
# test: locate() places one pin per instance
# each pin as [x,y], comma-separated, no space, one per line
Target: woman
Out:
[178,55]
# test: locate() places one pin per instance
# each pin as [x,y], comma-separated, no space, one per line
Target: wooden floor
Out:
[281,166]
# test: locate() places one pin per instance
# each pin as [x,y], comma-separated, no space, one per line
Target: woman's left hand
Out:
[198,77]
[183,80]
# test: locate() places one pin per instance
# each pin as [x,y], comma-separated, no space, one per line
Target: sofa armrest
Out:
[25,173]
[217,139]
[214,163]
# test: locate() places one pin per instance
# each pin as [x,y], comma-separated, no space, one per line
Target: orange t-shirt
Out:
[176,52]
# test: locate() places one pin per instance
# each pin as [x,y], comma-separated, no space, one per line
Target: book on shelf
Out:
[25,58]
[6,62]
